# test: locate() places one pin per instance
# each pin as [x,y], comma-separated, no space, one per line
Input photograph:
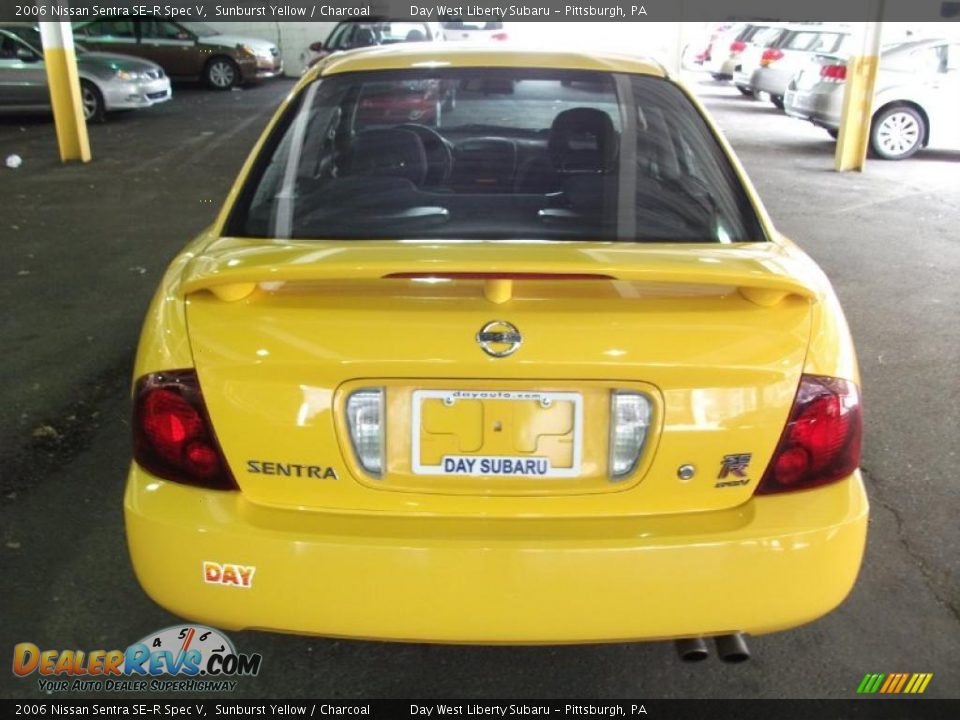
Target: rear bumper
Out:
[770,564]
[820,108]
[770,80]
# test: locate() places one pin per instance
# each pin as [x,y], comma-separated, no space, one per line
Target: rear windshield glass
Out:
[494,154]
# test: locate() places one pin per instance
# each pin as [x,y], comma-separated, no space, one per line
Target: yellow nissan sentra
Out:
[495,347]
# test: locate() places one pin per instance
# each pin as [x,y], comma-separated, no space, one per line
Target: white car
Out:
[916,101]
[482,31]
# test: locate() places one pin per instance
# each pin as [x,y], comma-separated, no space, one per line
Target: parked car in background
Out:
[749,58]
[353,34]
[191,50]
[781,61]
[699,51]
[108,81]
[469,30]
[746,41]
[916,101]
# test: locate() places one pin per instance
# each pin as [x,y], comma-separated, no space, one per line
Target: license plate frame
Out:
[419,468]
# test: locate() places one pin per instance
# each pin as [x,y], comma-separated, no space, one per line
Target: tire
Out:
[833,133]
[221,73]
[777,100]
[897,133]
[745,90]
[94,109]
[719,77]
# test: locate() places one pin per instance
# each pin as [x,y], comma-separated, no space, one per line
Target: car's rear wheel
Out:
[897,133]
[719,77]
[833,132]
[745,90]
[777,100]
[94,110]
[221,73]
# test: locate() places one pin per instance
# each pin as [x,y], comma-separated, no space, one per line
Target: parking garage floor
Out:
[84,246]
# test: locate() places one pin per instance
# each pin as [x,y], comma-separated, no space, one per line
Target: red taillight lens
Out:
[737,47]
[172,435]
[770,56]
[821,442]
[834,73]
[500,36]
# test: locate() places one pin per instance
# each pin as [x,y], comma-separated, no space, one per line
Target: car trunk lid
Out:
[714,339]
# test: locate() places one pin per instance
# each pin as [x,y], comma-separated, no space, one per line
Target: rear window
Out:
[459,25]
[814,41]
[494,154]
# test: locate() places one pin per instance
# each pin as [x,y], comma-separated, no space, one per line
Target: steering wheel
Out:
[439,153]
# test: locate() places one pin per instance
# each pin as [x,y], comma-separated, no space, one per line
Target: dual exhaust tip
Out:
[730,648]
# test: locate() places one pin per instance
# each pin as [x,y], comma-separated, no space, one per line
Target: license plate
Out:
[496,433]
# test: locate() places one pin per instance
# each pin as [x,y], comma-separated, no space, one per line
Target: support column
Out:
[854,136]
[64,82]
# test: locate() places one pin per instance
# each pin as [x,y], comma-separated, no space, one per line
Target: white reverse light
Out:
[629,421]
[365,419]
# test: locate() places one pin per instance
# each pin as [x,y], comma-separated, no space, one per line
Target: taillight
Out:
[500,36]
[172,434]
[833,73]
[821,442]
[737,47]
[365,420]
[770,56]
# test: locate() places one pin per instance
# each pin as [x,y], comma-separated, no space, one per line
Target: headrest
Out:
[583,140]
[392,152]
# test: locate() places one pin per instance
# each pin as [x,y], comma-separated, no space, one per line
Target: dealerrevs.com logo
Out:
[182,658]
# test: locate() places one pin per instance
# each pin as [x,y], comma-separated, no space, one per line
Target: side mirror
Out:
[316,47]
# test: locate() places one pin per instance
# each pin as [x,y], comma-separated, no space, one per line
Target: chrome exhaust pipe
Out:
[732,648]
[692,649]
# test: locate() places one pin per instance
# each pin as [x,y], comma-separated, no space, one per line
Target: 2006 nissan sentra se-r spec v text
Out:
[541,371]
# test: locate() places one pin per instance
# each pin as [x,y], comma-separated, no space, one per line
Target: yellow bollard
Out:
[64,83]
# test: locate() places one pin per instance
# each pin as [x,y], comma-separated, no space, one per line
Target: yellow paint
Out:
[64,85]
[777,561]
[281,332]
[857,114]
[498,291]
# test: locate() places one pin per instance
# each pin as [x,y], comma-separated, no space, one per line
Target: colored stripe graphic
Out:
[870,683]
[894,683]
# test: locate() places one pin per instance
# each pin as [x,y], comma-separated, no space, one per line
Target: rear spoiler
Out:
[764,273]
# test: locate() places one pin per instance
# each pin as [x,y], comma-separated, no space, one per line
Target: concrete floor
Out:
[83,247]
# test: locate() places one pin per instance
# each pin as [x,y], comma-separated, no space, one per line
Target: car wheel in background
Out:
[745,90]
[777,100]
[897,133]
[833,132]
[221,73]
[719,77]
[94,110]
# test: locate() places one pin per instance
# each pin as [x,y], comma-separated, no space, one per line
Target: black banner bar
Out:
[866,709]
[503,10]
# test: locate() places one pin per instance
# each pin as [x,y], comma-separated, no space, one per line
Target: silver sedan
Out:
[916,100]
[107,81]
